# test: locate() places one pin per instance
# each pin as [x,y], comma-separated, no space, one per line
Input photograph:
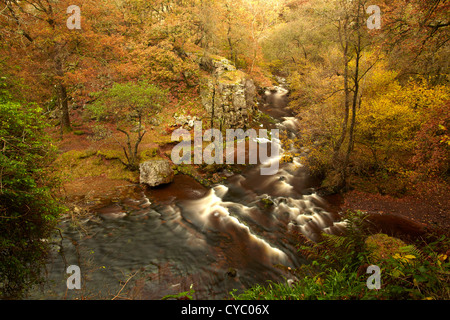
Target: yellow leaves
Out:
[407,258]
[287,158]
[421,96]
[391,116]
[382,79]
[441,259]
[444,138]
[319,281]
[402,257]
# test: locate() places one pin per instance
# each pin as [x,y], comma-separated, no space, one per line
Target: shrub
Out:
[28,210]
[130,105]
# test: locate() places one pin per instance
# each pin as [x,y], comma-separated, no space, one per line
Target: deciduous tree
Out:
[56,60]
[130,105]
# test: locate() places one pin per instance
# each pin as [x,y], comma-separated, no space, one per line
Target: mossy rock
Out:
[265,117]
[216,57]
[190,170]
[185,169]
[382,247]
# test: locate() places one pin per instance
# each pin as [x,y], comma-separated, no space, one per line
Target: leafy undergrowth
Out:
[338,269]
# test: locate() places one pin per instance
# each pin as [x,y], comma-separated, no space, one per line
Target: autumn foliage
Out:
[373,103]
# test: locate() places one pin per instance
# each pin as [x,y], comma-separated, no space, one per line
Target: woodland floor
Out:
[424,210]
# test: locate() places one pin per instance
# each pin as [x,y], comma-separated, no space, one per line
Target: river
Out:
[160,241]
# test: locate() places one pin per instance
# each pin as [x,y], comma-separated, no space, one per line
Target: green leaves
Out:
[28,209]
[130,104]
[126,101]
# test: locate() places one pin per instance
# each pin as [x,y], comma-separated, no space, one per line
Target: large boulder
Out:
[156,172]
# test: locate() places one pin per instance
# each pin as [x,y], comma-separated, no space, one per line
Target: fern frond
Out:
[413,250]
[334,241]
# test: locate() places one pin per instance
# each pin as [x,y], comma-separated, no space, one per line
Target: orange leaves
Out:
[51,53]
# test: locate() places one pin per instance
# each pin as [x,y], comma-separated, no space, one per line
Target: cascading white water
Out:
[300,211]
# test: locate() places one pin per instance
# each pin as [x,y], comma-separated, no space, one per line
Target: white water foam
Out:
[212,213]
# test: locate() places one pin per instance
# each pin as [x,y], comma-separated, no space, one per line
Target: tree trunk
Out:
[138,141]
[344,43]
[213,104]
[354,103]
[64,105]
[358,51]
[61,90]
[131,152]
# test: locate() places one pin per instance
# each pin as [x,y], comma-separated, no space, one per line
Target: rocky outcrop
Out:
[227,94]
[156,172]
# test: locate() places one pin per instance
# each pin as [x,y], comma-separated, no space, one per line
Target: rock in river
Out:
[156,172]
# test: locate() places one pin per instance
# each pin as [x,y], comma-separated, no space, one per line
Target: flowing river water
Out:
[160,241]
